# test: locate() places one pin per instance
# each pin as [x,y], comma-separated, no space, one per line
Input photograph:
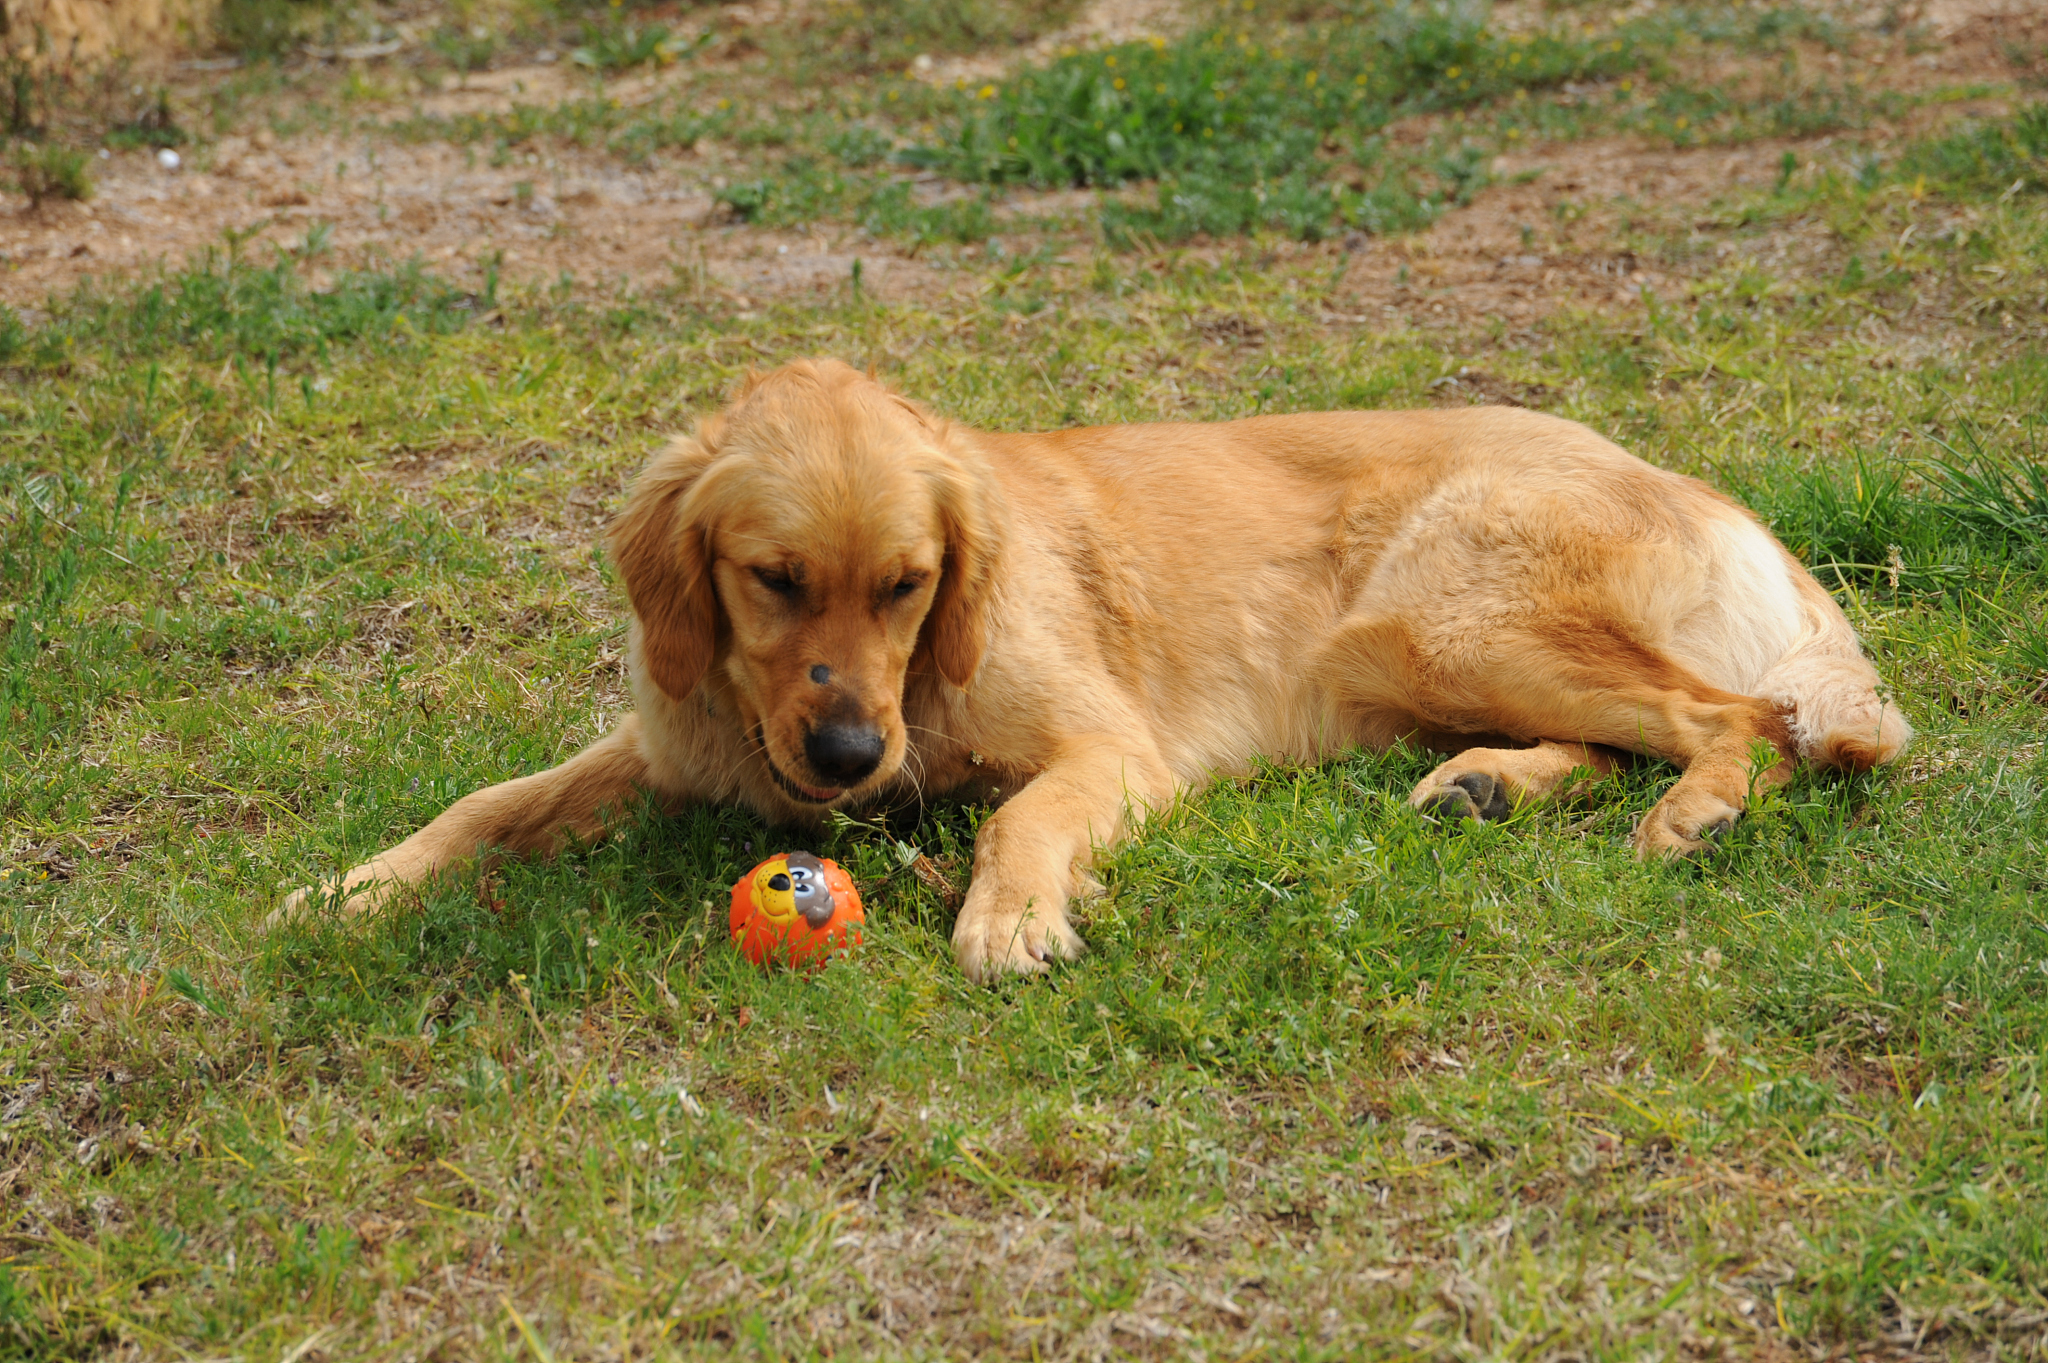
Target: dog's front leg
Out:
[532,814]
[1029,859]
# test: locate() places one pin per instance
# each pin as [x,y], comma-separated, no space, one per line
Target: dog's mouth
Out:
[795,790]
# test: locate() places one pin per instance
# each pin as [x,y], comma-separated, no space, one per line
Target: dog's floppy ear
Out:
[661,554]
[970,509]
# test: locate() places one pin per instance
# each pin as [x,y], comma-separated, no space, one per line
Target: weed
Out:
[747,200]
[267,30]
[52,171]
[155,126]
[20,75]
[621,47]
[859,146]
[464,47]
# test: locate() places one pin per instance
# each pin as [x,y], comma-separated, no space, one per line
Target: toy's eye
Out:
[781,583]
[778,882]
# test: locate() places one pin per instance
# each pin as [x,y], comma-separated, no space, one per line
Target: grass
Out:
[224,309]
[289,565]
[1222,101]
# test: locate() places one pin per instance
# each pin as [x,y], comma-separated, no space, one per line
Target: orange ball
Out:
[795,909]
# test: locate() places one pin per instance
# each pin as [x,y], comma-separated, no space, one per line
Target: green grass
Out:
[227,310]
[1220,100]
[1998,157]
[286,569]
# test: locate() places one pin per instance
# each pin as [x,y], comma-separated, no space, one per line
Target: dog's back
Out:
[1205,565]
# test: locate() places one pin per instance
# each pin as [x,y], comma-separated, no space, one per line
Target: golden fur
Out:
[1090,622]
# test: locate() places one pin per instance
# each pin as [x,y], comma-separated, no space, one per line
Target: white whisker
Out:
[910,753]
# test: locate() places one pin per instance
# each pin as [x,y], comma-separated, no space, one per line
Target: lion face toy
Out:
[795,909]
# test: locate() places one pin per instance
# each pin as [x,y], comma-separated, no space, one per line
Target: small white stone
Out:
[167,159]
[105,155]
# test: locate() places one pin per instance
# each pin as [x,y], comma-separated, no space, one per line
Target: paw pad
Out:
[1474,795]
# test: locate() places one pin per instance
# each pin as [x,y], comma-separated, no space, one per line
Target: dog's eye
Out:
[905,587]
[782,584]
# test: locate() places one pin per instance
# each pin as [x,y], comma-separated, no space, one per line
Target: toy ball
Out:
[795,909]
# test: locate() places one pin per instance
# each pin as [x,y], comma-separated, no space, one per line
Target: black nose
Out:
[844,752]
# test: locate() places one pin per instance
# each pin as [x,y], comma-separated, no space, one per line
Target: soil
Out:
[1522,249]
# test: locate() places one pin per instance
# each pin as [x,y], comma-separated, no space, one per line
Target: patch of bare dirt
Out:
[1994,36]
[497,92]
[1542,236]
[542,85]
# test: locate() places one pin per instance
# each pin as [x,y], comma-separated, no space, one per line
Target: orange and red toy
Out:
[795,909]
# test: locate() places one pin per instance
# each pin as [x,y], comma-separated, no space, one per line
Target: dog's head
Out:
[812,543]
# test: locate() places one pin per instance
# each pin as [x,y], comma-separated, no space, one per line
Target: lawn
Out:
[294,549]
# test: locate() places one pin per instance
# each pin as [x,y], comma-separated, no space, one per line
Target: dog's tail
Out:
[1837,711]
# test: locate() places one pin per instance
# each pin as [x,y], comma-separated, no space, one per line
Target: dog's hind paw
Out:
[1475,795]
[358,892]
[290,911]
[1676,829]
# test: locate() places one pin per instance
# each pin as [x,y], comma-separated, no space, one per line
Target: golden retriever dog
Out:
[841,598]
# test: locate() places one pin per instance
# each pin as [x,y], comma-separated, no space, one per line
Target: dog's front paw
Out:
[1004,934]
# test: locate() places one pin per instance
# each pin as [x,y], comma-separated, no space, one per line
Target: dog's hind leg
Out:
[1572,685]
[532,814]
[1485,784]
